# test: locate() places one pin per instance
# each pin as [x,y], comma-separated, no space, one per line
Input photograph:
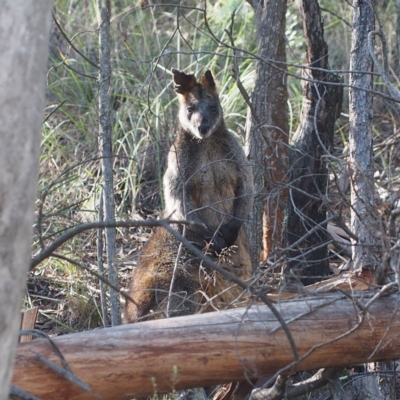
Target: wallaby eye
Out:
[214,109]
[190,110]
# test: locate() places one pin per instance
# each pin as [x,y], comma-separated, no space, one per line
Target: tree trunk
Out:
[277,155]
[305,230]
[360,138]
[105,146]
[199,350]
[267,134]
[24,34]
[361,160]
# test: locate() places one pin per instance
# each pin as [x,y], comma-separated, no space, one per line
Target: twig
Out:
[276,64]
[379,346]
[336,15]
[235,70]
[44,335]
[64,62]
[53,111]
[383,71]
[173,5]
[316,347]
[392,219]
[101,278]
[66,374]
[383,290]
[71,44]
[49,250]
[176,265]
[279,390]
[64,371]
[18,393]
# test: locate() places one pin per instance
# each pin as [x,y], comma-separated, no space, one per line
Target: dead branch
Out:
[171,354]
[281,389]
[49,250]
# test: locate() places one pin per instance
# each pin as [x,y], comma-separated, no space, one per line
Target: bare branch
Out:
[71,44]
[383,71]
[48,251]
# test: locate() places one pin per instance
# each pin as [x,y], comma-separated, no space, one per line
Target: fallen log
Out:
[200,350]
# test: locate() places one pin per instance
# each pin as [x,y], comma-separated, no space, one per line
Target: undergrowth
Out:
[146,45]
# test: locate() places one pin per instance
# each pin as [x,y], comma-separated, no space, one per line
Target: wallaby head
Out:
[200,111]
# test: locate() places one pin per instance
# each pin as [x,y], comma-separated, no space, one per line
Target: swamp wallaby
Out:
[208,181]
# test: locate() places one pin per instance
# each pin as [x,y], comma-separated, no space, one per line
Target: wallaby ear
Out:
[183,83]
[207,80]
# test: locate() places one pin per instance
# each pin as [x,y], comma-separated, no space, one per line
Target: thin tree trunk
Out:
[264,141]
[105,139]
[305,230]
[160,356]
[24,40]
[360,137]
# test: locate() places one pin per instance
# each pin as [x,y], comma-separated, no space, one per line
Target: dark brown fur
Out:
[208,181]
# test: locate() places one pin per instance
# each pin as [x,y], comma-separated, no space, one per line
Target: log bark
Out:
[24,38]
[305,228]
[137,360]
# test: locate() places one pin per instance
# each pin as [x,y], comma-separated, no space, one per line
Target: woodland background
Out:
[147,40]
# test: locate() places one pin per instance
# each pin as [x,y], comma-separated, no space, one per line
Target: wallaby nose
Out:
[204,127]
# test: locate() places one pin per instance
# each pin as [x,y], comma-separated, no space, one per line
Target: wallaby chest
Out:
[206,170]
